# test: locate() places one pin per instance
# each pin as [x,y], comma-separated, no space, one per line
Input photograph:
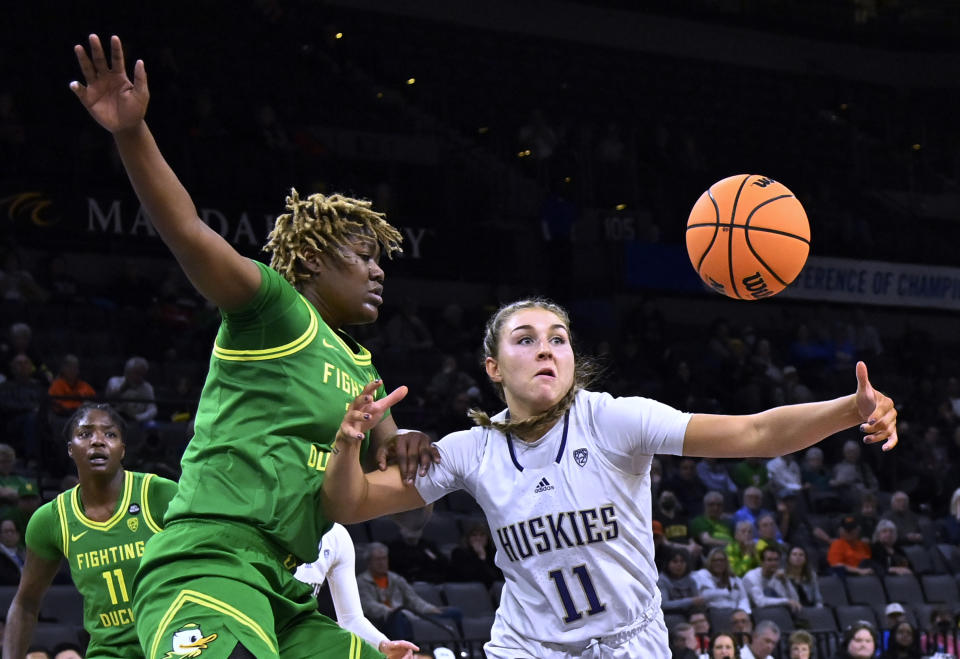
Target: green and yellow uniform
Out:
[104,556]
[248,510]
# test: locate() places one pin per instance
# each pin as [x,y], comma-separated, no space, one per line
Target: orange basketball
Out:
[748,237]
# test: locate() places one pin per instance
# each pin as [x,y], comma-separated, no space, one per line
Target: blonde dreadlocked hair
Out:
[584,373]
[323,223]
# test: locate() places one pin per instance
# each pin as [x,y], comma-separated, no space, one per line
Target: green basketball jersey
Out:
[279,383]
[104,556]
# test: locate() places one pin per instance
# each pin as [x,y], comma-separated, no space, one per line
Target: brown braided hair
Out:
[585,371]
[323,223]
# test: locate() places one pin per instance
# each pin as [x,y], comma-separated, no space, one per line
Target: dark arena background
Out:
[523,147]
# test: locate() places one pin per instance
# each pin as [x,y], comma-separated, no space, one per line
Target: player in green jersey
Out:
[101,527]
[218,581]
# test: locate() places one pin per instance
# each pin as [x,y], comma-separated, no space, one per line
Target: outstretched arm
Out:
[218,272]
[37,576]
[349,495]
[791,428]
[342,578]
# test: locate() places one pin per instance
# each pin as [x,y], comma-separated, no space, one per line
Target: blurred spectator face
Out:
[740,622]
[813,460]
[744,532]
[900,502]
[21,367]
[851,452]
[763,643]
[687,470]
[718,564]
[868,508]
[767,528]
[752,498]
[771,561]
[379,562]
[797,557]
[67,654]
[9,535]
[723,647]
[701,625]
[70,369]
[713,507]
[904,635]
[7,459]
[690,639]
[861,646]
[799,651]
[887,536]
[677,566]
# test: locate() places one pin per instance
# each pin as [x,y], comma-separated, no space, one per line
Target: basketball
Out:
[748,237]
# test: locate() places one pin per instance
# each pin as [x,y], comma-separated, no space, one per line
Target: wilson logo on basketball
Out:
[763,182]
[756,287]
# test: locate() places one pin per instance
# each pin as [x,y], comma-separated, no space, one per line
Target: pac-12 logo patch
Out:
[580,455]
[134,508]
[189,641]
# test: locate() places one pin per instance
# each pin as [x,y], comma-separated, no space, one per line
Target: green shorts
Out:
[203,587]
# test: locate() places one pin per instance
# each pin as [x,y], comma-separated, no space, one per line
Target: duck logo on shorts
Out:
[189,641]
[580,455]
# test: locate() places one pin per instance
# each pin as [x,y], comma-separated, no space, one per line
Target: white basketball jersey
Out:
[331,546]
[569,514]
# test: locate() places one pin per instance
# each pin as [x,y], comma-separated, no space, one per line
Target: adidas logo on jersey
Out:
[543,486]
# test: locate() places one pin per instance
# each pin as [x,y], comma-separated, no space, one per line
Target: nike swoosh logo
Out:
[74,538]
[328,345]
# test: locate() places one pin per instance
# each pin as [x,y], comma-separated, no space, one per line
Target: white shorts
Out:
[650,641]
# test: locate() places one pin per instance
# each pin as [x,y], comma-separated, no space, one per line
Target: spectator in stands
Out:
[386,596]
[800,645]
[683,642]
[751,471]
[20,342]
[675,522]
[765,639]
[447,382]
[885,553]
[904,642]
[687,486]
[795,527]
[714,476]
[851,476]
[741,626]
[679,592]
[133,387]
[701,627]
[712,529]
[20,399]
[37,652]
[10,482]
[859,641]
[803,577]
[473,560]
[906,521]
[752,508]
[794,390]
[784,474]
[893,614]
[940,635]
[415,557]
[27,503]
[768,534]
[821,496]
[948,526]
[12,554]
[68,390]
[868,518]
[721,588]
[742,552]
[16,282]
[768,585]
[848,553]
[723,646]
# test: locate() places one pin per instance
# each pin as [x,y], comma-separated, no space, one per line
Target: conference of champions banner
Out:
[877,282]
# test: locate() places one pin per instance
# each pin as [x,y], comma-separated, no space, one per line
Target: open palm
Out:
[109,96]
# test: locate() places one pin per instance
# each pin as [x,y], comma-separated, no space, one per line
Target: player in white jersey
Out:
[563,476]
[336,565]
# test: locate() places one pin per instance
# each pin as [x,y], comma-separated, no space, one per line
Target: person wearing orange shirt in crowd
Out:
[848,552]
[68,389]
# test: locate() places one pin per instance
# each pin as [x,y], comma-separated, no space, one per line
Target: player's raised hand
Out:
[365,412]
[109,96]
[876,411]
[410,449]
